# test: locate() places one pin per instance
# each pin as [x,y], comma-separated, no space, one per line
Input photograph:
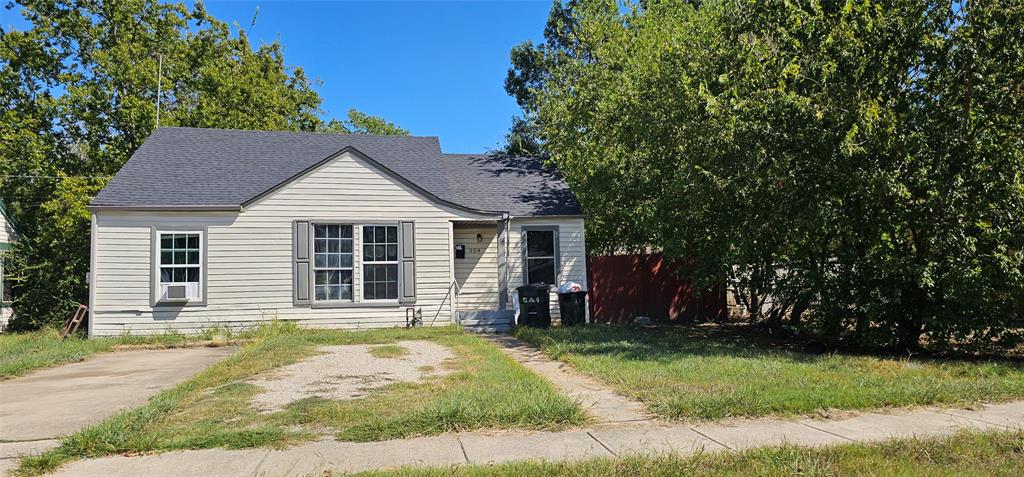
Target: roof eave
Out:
[550,216]
[10,220]
[165,208]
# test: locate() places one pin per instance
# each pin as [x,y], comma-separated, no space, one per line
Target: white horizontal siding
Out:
[477,274]
[249,256]
[7,234]
[572,251]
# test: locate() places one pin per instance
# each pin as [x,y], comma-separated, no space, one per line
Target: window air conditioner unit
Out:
[179,292]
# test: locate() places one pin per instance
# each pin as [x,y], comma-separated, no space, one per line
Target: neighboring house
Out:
[8,235]
[208,227]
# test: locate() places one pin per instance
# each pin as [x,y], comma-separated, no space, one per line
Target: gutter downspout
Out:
[91,325]
[508,230]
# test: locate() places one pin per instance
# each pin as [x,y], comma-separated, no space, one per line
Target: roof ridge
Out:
[320,133]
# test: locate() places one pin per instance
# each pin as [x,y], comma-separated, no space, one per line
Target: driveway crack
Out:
[710,438]
[610,451]
[463,447]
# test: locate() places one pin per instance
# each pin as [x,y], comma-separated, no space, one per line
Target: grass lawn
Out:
[704,372]
[486,389]
[990,453]
[21,353]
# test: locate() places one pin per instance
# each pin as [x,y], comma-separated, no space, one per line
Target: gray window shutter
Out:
[301,254]
[407,264]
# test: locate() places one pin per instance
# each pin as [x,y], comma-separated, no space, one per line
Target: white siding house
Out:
[221,228]
[8,235]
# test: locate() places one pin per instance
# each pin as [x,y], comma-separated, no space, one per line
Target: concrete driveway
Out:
[50,403]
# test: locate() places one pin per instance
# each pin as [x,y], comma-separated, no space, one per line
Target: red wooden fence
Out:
[625,286]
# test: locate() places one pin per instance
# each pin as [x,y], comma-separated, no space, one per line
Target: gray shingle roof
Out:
[519,185]
[192,167]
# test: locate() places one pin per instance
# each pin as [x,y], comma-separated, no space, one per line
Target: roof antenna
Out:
[159,73]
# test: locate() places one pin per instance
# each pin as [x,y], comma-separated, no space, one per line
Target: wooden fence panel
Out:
[625,286]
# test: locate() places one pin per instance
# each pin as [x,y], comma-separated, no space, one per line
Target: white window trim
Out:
[155,262]
[526,257]
[396,263]
[313,268]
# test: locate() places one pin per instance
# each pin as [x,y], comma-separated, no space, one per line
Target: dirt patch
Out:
[348,372]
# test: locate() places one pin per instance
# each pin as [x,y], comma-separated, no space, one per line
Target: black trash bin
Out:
[573,307]
[534,304]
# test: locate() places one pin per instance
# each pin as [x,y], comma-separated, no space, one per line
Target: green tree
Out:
[79,88]
[865,157]
[523,139]
[362,123]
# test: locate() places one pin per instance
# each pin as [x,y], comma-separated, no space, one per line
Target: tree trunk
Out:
[798,310]
[911,327]
[860,328]
[910,331]
[754,307]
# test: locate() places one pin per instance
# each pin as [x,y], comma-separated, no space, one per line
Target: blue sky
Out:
[434,68]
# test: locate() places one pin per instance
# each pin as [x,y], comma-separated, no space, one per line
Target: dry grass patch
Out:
[348,372]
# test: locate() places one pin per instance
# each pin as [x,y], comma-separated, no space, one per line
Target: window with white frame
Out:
[380,262]
[180,267]
[332,262]
[540,256]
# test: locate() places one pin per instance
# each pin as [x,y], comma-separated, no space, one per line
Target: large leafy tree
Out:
[79,88]
[860,158]
[362,123]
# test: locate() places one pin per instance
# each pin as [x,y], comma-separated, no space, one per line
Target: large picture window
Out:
[180,269]
[380,262]
[541,256]
[332,262]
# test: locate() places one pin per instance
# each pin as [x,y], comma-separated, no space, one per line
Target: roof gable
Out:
[380,168]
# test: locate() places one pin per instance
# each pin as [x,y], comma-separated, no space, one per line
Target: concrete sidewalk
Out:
[483,448]
[608,408]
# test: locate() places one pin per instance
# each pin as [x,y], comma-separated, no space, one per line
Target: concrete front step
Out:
[485,321]
[488,328]
[487,314]
[486,317]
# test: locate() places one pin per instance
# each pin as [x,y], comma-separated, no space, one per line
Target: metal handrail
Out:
[455,300]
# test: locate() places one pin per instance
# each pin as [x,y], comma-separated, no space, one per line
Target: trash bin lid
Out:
[570,287]
[533,286]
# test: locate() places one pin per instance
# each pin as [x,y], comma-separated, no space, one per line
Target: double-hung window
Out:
[540,256]
[332,262]
[180,267]
[380,262]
